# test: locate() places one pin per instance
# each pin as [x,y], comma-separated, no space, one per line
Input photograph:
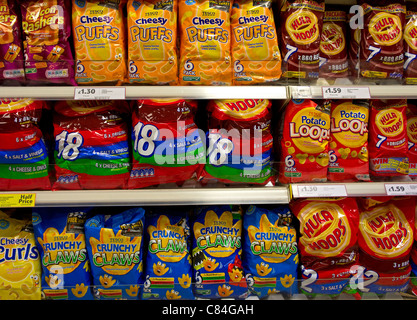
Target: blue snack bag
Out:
[115,249]
[60,238]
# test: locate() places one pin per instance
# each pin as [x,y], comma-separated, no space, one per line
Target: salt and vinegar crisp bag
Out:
[168,268]
[152,40]
[217,252]
[60,239]
[20,266]
[411,114]
[410,44]
[270,251]
[99,41]
[255,52]
[204,27]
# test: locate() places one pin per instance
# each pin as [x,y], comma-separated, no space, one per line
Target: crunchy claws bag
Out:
[410,44]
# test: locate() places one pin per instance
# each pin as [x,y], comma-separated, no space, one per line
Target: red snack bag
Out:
[388,142]
[412,139]
[410,44]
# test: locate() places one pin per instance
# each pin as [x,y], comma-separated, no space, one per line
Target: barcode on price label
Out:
[319,190]
[301,92]
[346,93]
[404,189]
[117,93]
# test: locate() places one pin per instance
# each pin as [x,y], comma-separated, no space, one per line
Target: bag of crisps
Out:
[354,48]
[410,44]
[46,26]
[411,114]
[348,149]
[168,268]
[99,41]
[217,252]
[152,40]
[270,251]
[256,57]
[60,239]
[204,27]
[305,136]
[388,141]
[115,250]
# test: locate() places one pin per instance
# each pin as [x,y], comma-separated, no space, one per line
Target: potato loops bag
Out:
[410,44]
[115,250]
[217,253]
[168,268]
[99,41]
[204,27]
[270,250]
[152,40]
[348,148]
[20,264]
[305,136]
[411,114]
[61,241]
[255,53]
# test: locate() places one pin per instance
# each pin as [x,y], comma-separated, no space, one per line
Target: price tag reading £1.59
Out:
[346,93]
[319,190]
[398,189]
[107,93]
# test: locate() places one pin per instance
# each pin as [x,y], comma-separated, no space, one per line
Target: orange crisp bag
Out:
[152,39]
[99,41]
[205,42]
[255,52]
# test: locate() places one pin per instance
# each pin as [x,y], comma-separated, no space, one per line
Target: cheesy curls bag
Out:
[99,41]
[204,27]
[255,51]
[152,40]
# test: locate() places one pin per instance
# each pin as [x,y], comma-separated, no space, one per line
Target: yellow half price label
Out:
[17,200]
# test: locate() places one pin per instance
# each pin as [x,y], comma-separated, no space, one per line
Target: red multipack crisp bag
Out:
[411,114]
[388,141]
[410,44]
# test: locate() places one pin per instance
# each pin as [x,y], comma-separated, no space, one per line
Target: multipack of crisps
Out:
[91,145]
[168,267]
[204,27]
[413,261]
[411,114]
[61,242]
[167,146]
[334,46]
[386,236]
[240,142]
[20,266]
[354,48]
[348,148]
[99,41]
[23,152]
[301,26]
[328,243]
[305,136]
[382,45]
[46,26]
[388,141]
[255,52]
[11,50]
[410,44]
[152,40]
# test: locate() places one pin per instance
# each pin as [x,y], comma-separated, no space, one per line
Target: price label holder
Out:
[301,92]
[17,200]
[400,189]
[346,93]
[105,93]
[321,190]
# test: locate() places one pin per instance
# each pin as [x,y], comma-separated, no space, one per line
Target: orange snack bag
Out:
[255,52]
[152,39]
[205,42]
[99,41]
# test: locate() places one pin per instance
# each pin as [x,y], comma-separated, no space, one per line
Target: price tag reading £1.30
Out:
[398,189]
[319,190]
[346,93]
[107,93]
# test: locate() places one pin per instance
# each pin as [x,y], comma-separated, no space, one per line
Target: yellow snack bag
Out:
[255,52]
[152,40]
[205,42]
[99,38]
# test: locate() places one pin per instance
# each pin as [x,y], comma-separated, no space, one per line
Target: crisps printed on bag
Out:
[410,44]
[411,114]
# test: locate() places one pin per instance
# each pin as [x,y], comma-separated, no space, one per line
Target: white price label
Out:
[346,93]
[301,92]
[321,190]
[398,189]
[107,93]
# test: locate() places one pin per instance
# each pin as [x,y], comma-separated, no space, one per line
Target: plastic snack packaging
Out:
[305,136]
[168,267]
[388,141]
[354,49]
[301,27]
[11,46]
[328,244]
[255,52]
[167,146]
[270,251]
[239,142]
[217,253]
[91,145]
[204,28]
[20,265]
[413,261]
[23,153]
[410,44]
[61,241]
[411,114]
[348,148]
[382,45]
[99,41]
[46,26]
[152,40]
[115,250]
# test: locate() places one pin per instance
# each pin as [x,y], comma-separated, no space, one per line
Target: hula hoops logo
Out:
[412,129]
[386,29]
[410,35]
[303,27]
[390,122]
[332,39]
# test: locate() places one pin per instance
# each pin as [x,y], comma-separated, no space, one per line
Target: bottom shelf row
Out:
[335,248]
